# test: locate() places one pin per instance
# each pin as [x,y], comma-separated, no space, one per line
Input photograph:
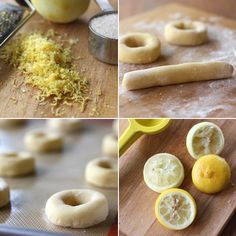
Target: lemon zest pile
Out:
[47,66]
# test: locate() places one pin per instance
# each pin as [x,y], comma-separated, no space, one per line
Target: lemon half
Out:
[211,174]
[175,209]
[203,139]
[163,171]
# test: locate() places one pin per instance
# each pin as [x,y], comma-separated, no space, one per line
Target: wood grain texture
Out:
[137,201]
[191,100]
[221,7]
[102,77]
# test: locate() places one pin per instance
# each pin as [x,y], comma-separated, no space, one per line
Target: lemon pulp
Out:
[163,171]
[175,209]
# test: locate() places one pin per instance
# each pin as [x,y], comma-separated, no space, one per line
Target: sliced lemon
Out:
[211,174]
[203,139]
[163,171]
[175,209]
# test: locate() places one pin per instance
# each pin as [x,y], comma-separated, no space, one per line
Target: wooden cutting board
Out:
[198,99]
[102,77]
[137,201]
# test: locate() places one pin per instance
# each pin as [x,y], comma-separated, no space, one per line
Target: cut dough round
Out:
[4,193]
[65,125]
[110,145]
[77,208]
[43,141]
[11,122]
[116,127]
[16,164]
[102,172]
[186,33]
[177,74]
[139,48]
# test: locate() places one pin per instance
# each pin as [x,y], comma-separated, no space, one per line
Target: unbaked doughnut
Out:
[110,145]
[139,48]
[115,127]
[77,208]
[186,33]
[102,172]
[43,141]
[4,193]
[65,125]
[16,164]
[177,74]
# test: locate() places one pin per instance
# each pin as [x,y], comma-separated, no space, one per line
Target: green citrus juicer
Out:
[138,127]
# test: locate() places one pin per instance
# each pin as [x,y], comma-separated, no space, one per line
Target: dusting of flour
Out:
[209,99]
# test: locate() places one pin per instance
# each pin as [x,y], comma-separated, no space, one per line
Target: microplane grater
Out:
[12,18]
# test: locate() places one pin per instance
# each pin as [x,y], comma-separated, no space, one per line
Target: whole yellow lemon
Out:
[61,11]
[211,174]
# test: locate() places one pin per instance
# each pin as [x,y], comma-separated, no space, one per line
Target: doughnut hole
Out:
[40,134]
[71,200]
[135,42]
[105,165]
[11,155]
[183,26]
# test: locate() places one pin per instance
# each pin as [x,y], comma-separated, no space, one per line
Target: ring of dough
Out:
[4,193]
[110,145]
[62,125]
[77,208]
[16,164]
[186,33]
[43,141]
[139,48]
[102,172]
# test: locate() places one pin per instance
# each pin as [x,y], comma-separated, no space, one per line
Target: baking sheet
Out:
[55,172]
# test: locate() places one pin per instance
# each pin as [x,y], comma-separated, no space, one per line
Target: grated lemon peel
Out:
[47,66]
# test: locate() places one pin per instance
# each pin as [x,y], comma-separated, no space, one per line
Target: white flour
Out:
[216,99]
[106,25]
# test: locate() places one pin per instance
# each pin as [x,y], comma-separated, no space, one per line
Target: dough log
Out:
[177,74]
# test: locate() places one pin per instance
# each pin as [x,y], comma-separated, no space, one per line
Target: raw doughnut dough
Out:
[43,141]
[77,208]
[16,164]
[115,126]
[186,33]
[102,172]
[65,125]
[4,193]
[139,48]
[110,145]
[11,122]
[177,74]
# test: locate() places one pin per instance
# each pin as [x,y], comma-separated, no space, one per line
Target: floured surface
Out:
[136,209]
[54,173]
[198,99]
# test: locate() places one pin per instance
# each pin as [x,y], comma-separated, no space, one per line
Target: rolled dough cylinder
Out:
[177,74]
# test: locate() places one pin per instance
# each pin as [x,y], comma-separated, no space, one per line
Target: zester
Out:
[13,17]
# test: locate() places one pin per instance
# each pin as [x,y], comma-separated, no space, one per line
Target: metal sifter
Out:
[101,46]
